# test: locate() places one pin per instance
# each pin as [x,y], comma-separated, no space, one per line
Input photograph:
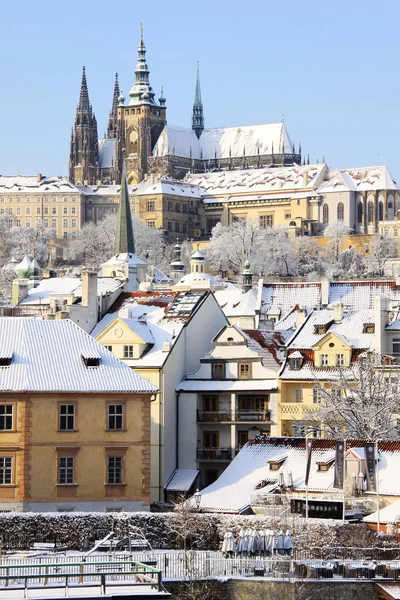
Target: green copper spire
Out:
[125,242]
[197,115]
[142,90]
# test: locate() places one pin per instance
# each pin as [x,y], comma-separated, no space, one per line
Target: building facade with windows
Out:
[231,398]
[74,422]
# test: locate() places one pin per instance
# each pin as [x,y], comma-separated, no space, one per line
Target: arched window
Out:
[359,212]
[370,212]
[380,211]
[340,211]
[292,224]
[390,210]
[325,213]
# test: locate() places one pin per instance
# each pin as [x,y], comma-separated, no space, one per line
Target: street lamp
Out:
[197,498]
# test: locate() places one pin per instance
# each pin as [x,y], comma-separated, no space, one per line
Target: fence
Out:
[208,564]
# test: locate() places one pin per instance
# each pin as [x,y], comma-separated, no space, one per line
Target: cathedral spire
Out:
[112,118]
[84,104]
[142,90]
[125,242]
[197,115]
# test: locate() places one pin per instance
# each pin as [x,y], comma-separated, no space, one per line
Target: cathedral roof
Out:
[225,142]
[107,153]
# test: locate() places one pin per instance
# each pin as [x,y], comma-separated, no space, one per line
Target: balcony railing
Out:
[213,453]
[290,410]
[221,416]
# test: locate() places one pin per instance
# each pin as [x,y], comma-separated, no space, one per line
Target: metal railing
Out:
[100,573]
[213,454]
[226,416]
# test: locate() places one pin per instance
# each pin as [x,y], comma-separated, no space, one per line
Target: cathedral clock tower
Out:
[139,122]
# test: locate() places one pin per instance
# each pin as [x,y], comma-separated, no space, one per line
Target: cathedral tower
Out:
[84,145]
[139,122]
[197,115]
[113,116]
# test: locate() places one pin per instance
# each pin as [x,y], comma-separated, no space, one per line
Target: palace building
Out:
[137,126]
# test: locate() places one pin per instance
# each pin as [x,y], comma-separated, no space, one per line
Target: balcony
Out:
[213,454]
[218,416]
[240,415]
[250,415]
[291,410]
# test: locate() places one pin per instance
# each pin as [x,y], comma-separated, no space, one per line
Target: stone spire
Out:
[84,144]
[125,242]
[142,90]
[197,115]
[84,104]
[247,277]
[113,116]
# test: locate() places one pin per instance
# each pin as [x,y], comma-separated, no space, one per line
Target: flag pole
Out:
[344,481]
[377,487]
[307,501]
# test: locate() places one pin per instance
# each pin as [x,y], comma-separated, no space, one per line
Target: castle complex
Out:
[138,128]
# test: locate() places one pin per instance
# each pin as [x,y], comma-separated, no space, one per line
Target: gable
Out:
[331,338]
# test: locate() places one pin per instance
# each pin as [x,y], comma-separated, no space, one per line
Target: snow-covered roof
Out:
[356,295]
[309,372]
[47,357]
[350,329]
[231,492]
[267,344]
[128,258]
[358,179]
[259,181]
[280,297]
[65,286]
[235,303]
[107,153]
[182,480]
[34,185]
[196,279]
[389,514]
[227,385]
[391,589]
[224,142]
[168,186]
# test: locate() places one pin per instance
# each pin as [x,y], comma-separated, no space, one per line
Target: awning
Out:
[182,480]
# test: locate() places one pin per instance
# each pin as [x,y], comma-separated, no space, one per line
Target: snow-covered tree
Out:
[381,249]
[282,258]
[364,401]
[336,232]
[311,256]
[18,241]
[351,263]
[96,243]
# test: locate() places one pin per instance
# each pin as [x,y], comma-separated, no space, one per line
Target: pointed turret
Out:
[247,277]
[197,115]
[177,266]
[125,242]
[113,116]
[142,90]
[84,104]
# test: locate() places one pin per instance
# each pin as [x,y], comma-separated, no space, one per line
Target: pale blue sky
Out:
[331,68]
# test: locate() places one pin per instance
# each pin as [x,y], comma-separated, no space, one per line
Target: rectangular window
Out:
[340,360]
[67,417]
[151,206]
[28,199]
[73,210]
[109,348]
[324,360]
[266,221]
[46,210]
[38,198]
[54,223]
[184,208]
[115,416]
[65,211]
[18,210]
[66,470]
[54,210]
[65,223]
[210,403]
[218,370]
[46,222]
[177,227]
[169,225]
[18,199]
[184,227]
[73,222]
[396,346]
[244,370]
[6,417]
[17,222]
[65,199]
[28,223]
[5,470]
[114,469]
[288,215]
[28,210]
[38,210]
[298,395]
[128,351]
[317,395]
[151,224]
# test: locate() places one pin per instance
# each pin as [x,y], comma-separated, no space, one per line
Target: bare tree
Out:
[363,401]
[381,249]
[336,232]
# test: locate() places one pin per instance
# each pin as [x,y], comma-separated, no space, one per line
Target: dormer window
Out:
[296,361]
[276,463]
[319,329]
[369,328]
[218,370]
[5,361]
[323,466]
[90,359]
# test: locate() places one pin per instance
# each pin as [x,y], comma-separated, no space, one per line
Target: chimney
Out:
[62,314]
[301,316]
[166,347]
[19,291]
[325,286]
[49,317]
[338,312]
[305,178]
[381,307]
[39,177]
[89,287]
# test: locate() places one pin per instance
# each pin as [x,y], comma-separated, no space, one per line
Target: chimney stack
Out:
[338,312]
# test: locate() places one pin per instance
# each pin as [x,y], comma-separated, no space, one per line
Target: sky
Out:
[330,69]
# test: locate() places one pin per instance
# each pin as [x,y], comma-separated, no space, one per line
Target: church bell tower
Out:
[139,122]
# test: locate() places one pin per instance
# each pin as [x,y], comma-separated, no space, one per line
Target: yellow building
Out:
[323,348]
[74,422]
